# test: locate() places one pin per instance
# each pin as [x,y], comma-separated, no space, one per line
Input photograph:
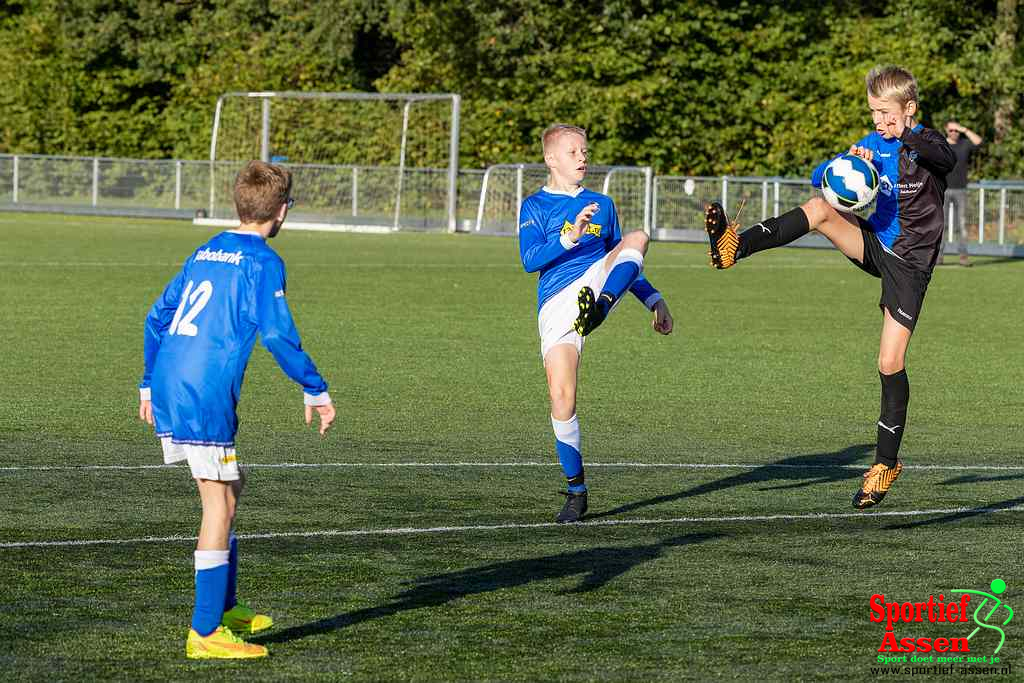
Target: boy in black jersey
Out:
[899,243]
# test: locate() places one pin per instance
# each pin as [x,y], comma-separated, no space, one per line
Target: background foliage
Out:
[691,87]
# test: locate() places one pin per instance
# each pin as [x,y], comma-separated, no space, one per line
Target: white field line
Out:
[624,465]
[407,531]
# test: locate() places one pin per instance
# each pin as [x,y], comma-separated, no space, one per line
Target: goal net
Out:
[359,161]
[504,187]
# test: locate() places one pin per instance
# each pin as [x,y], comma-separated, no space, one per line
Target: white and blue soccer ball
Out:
[849,183]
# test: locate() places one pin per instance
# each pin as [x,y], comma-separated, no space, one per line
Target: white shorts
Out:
[557,315]
[206,462]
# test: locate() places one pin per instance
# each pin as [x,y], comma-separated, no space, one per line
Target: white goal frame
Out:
[409,99]
[609,171]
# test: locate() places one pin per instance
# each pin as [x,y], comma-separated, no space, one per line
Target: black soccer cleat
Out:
[877,482]
[593,311]
[574,509]
[722,236]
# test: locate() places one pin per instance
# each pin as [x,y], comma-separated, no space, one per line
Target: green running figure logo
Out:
[998,586]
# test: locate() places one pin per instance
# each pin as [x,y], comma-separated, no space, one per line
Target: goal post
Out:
[360,161]
[504,186]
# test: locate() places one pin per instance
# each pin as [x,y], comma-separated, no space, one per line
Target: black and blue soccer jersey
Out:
[544,219]
[912,181]
[200,333]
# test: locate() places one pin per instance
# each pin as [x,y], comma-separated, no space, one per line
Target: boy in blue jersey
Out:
[899,244]
[571,235]
[199,335]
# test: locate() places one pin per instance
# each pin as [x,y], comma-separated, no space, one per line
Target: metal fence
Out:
[994,214]
[504,186]
[180,188]
[169,188]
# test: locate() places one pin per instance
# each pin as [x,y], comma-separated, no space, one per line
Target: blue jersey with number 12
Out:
[200,334]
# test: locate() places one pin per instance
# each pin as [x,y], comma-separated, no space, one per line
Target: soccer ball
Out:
[849,183]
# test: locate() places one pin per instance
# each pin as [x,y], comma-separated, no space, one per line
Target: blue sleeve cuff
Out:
[651,300]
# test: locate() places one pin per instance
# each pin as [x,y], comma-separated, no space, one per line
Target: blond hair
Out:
[892,83]
[260,190]
[556,130]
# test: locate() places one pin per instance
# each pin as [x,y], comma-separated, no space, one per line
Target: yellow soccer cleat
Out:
[877,482]
[221,644]
[722,236]
[243,619]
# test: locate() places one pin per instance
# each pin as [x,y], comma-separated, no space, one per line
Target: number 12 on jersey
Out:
[196,300]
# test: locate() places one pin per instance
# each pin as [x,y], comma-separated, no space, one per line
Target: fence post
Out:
[648,200]
[764,199]
[725,193]
[1002,215]
[519,193]
[15,181]
[654,206]
[355,191]
[981,215]
[776,212]
[265,131]
[177,185]
[95,180]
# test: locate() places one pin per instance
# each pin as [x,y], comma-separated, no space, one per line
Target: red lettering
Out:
[918,606]
[907,644]
[889,643]
[907,612]
[877,608]
[959,645]
[892,614]
[952,611]
[963,606]
[941,645]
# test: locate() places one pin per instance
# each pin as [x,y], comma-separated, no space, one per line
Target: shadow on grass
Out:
[594,566]
[958,516]
[799,471]
[994,261]
[977,478]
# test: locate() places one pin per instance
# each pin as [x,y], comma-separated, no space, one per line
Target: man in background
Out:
[963,141]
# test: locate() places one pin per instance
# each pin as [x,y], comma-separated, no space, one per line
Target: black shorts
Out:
[903,286]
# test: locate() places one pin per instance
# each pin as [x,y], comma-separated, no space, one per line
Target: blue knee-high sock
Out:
[230,600]
[567,443]
[625,269]
[211,586]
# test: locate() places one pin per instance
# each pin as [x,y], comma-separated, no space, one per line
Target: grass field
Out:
[417,543]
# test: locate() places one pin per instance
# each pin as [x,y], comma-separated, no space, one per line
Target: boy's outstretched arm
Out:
[534,250]
[157,321]
[931,148]
[280,337]
[652,300]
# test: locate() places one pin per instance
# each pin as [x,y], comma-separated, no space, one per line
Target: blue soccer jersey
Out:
[200,333]
[544,219]
[912,181]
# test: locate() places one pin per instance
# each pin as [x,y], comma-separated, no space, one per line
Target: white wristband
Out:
[321,399]
[145,394]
